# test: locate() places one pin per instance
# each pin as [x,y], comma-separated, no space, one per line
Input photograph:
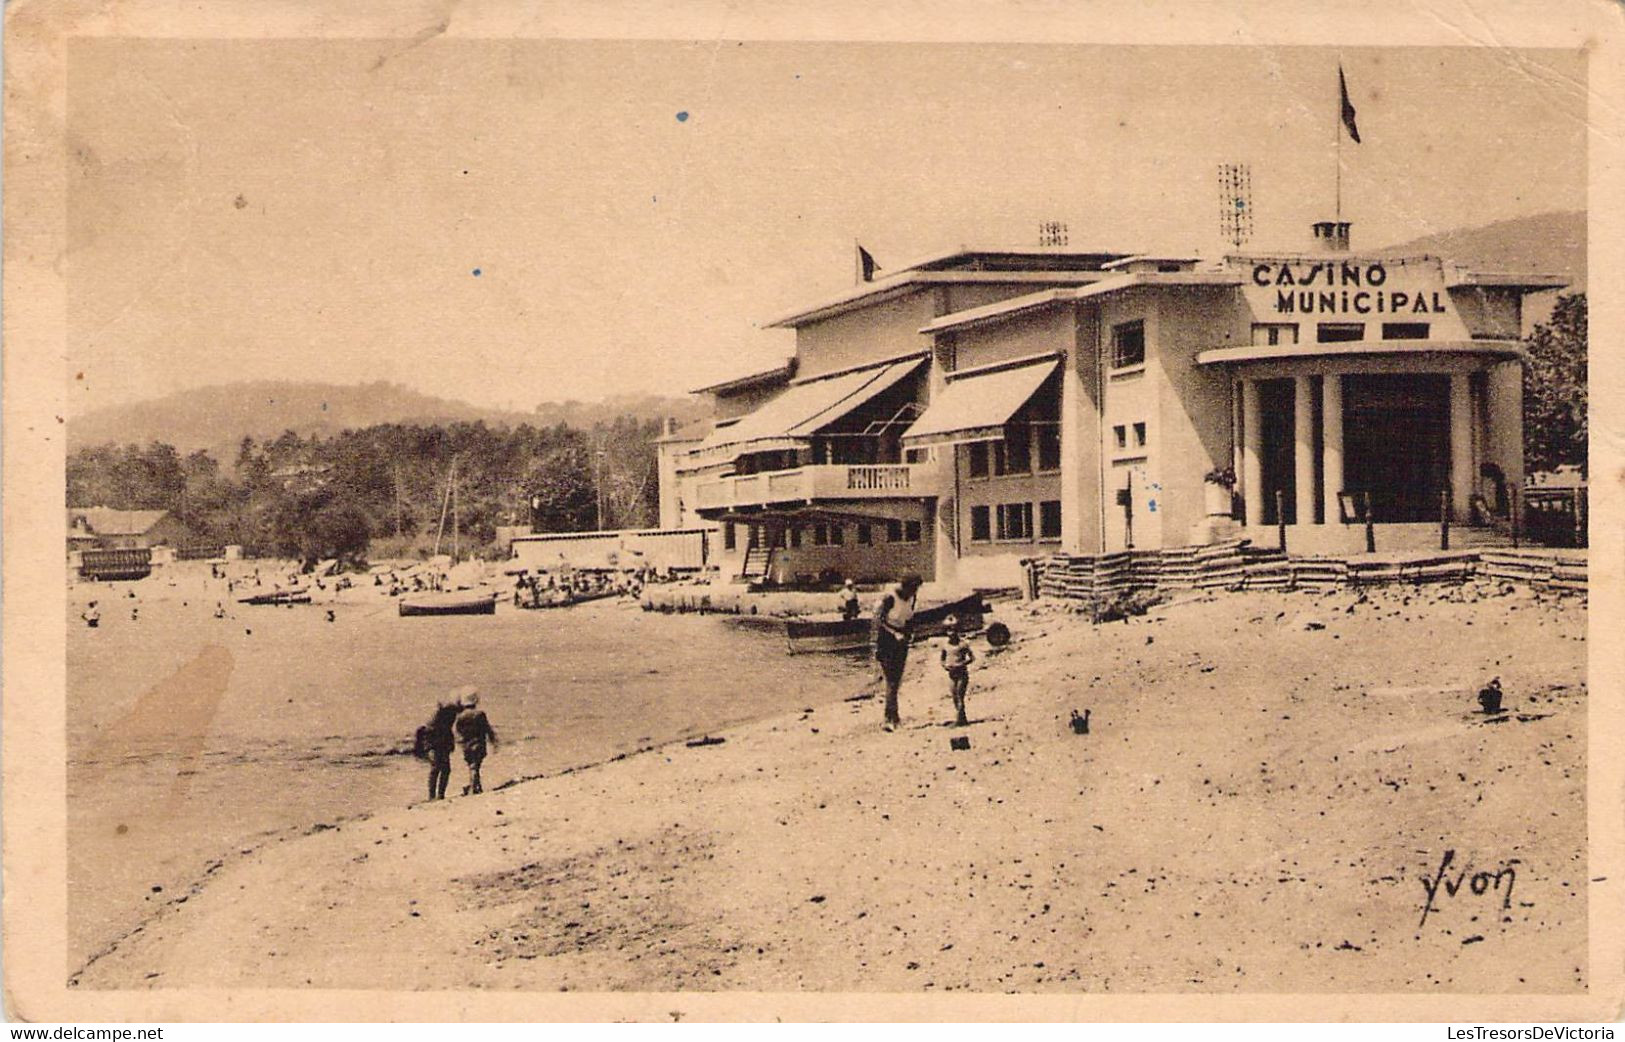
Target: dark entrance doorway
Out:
[1277,454]
[1396,443]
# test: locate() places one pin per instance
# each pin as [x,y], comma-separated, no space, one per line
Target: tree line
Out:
[382,489]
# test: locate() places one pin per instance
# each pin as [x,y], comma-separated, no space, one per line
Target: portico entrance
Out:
[1396,443]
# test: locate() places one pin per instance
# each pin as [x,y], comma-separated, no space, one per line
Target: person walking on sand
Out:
[475,732]
[440,740]
[956,659]
[894,621]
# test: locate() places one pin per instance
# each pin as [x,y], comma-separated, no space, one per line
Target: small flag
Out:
[866,266]
[1348,107]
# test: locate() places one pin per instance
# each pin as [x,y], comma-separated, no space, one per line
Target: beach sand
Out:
[1268,780]
[192,739]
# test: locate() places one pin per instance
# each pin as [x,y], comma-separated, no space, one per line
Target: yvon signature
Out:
[1478,884]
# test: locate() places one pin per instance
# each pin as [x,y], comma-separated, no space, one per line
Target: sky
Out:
[511,222]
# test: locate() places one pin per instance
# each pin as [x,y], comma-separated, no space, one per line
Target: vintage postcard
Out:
[876,511]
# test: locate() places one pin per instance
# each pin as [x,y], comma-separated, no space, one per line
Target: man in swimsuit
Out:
[894,620]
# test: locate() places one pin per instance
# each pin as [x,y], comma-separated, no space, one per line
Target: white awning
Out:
[788,421]
[976,407]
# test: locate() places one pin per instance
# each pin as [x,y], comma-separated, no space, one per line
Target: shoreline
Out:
[813,851]
[192,738]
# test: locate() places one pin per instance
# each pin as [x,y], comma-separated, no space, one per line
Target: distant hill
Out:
[1553,243]
[217,418]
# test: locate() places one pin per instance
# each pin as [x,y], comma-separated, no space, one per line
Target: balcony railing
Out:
[808,484]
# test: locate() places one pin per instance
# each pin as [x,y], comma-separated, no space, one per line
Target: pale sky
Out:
[637,210]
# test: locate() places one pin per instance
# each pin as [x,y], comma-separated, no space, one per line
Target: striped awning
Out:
[788,421]
[975,407]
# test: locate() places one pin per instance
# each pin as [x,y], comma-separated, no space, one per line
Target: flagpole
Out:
[1337,137]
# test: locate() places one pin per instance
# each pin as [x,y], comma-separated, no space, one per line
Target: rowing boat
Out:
[826,634]
[463,602]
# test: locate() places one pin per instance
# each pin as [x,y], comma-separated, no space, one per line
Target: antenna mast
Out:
[1235,203]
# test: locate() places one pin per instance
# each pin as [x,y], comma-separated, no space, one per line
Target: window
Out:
[1120,436]
[1339,332]
[1404,330]
[894,531]
[865,537]
[916,455]
[1049,446]
[729,540]
[1128,345]
[1272,334]
[1139,435]
[837,535]
[1015,520]
[981,529]
[795,538]
[820,535]
[977,451]
[912,531]
[1014,454]
[1049,519]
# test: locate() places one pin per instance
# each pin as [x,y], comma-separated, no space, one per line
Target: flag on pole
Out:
[866,265]
[1348,107]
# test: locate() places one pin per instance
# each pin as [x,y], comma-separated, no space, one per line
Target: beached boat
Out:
[277,597]
[814,635]
[462,602]
[556,599]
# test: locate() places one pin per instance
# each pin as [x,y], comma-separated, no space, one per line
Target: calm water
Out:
[190,737]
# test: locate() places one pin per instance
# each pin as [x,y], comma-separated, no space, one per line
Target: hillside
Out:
[1549,243]
[218,417]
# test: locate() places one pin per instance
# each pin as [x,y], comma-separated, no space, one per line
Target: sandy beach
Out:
[1269,785]
[192,739]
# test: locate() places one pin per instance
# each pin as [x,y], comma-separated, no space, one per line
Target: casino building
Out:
[986,406]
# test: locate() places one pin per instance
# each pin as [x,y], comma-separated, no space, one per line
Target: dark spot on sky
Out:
[682,117]
[240,202]
[476,273]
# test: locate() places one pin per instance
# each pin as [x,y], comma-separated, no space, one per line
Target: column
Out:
[1461,445]
[1303,448]
[1252,462]
[1331,443]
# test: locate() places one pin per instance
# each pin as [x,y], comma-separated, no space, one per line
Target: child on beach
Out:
[956,659]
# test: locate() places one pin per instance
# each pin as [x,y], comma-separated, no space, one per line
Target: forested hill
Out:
[217,418]
[1547,243]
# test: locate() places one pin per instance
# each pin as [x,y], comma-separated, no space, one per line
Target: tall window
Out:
[820,535]
[1120,436]
[1139,435]
[1049,519]
[981,526]
[729,539]
[864,536]
[894,531]
[795,538]
[1049,446]
[1015,520]
[1128,345]
[1014,454]
[912,531]
[976,452]
[837,535]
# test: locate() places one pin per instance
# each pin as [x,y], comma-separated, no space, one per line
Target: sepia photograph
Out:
[713,516]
